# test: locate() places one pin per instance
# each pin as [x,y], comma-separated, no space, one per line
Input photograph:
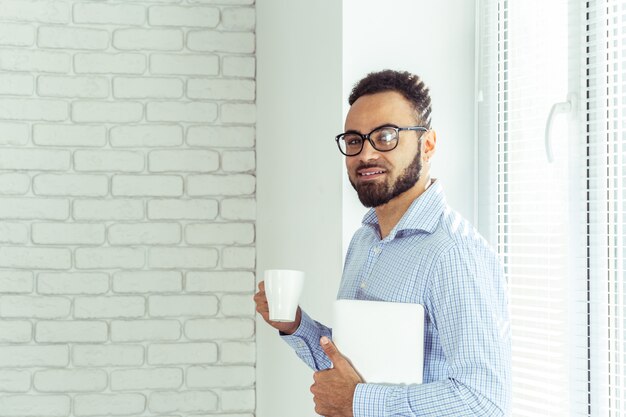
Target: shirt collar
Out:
[423,214]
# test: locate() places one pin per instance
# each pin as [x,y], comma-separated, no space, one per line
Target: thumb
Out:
[331,351]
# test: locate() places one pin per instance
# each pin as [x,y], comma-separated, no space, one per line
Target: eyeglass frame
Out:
[366,137]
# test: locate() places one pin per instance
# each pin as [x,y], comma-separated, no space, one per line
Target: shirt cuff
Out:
[297,340]
[369,400]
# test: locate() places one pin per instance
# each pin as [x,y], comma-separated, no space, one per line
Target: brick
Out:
[220,281]
[143,87]
[13,233]
[237,306]
[221,89]
[186,402]
[215,329]
[33,109]
[34,60]
[238,18]
[148,39]
[239,66]
[219,233]
[147,281]
[238,161]
[182,305]
[13,134]
[13,184]
[107,210]
[34,405]
[181,257]
[145,330]
[144,379]
[109,63]
[244,113]
[113,112]
[32,356]
[108,161]
[109,307]
[228,185]
[71,185]
[35,258]
[15,331]
[70,331]
[183,161]
[146,136]
[15,34]
[15,281]
[107,355]
[38,11]
[211,41]
[35,159]
[72,38]
[34,208]
[184,64]
[239,257]
[69,135]
[181,112]
[70,380]
[238,352]
[196,209]
[72,283]
[238,400]
[145,234]
[147,185]
[88,258]
[184,16]
[221,136]
[220,376]
[14,380]
[68,233]
[16,84]
[109,404]
[72,87]
[115,14]
[182,353]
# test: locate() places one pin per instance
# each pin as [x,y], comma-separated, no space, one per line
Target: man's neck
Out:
[390,214]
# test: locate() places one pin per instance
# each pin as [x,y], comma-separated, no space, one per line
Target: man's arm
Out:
[306,342]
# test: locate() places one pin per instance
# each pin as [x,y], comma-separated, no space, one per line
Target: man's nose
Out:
[368,152]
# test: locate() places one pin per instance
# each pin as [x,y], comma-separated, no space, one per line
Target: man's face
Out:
[378,177]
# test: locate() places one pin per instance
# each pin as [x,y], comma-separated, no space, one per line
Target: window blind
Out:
[605,108]
[536,190]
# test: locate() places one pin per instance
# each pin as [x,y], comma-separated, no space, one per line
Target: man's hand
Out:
[263,309]
[334,388]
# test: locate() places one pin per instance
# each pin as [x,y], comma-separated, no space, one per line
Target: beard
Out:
[376,194]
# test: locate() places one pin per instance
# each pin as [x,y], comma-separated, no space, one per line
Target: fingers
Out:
[331,350]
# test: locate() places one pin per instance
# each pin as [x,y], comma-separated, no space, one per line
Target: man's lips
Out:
[370,173]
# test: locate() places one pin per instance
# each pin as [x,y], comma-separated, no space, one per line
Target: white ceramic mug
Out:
[283,288]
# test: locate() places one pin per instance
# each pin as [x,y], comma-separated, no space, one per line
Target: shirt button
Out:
[377,250]
[363,285]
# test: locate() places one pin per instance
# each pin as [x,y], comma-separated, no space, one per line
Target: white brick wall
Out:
[127,207]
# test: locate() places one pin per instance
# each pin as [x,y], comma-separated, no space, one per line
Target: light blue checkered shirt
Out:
[435,258]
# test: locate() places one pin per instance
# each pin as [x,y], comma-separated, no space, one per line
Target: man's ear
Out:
[429,144]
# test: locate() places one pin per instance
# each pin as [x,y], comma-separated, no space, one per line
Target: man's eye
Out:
[354,141]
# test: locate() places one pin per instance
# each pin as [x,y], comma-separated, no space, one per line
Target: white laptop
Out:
[383,340]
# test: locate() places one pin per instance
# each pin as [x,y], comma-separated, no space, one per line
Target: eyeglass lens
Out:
[384,139]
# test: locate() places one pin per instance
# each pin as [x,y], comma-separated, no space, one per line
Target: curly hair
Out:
[409,85]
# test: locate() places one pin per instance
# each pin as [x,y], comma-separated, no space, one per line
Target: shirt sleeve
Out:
[467,304]
[305,341]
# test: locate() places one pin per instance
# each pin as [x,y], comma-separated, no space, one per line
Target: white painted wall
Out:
[309,56]
[436,41]
[299,178]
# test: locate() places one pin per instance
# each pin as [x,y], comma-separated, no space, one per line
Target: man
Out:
[412,248]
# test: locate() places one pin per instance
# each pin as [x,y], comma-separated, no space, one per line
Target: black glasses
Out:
[384,139]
